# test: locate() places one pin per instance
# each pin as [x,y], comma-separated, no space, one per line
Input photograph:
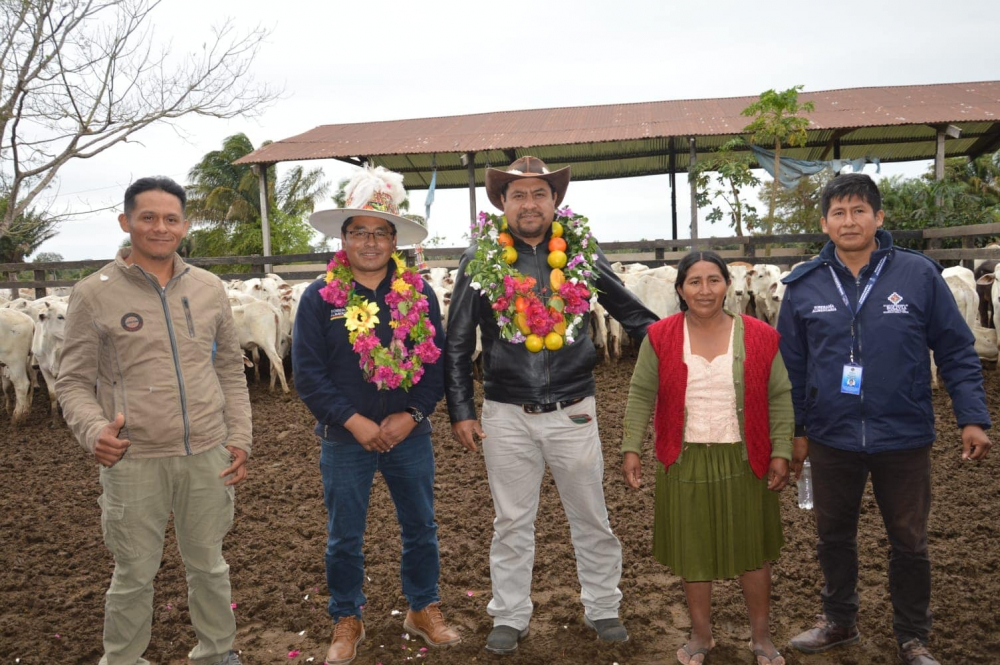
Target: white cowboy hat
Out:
[372,192]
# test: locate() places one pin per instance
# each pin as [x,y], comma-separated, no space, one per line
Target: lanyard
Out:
[861,300]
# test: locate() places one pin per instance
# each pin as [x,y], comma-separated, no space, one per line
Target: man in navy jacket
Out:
[856,324]
[366,424]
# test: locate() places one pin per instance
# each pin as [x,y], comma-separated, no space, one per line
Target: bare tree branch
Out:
[78,77]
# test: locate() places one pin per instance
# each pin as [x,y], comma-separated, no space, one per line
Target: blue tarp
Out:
[794,169]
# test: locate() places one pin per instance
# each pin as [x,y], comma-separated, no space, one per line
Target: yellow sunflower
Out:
[361,318]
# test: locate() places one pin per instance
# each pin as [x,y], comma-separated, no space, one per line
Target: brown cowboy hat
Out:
[525,167]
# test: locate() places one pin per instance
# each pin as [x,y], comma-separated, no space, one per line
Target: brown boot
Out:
[347,635]
[825,635]
[429,624]
[915,652]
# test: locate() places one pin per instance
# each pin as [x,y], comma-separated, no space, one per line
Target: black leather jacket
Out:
[513,374]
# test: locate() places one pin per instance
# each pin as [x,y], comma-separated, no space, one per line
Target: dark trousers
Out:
[901,481]
[348,471]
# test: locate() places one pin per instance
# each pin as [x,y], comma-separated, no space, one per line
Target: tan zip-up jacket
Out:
[148,353]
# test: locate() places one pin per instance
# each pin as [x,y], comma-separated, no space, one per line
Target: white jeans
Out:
[517,447]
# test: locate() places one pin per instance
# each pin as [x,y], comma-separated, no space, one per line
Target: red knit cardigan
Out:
[761,344]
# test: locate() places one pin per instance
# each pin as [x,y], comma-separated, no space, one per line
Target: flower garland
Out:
[548,317]
[396,366]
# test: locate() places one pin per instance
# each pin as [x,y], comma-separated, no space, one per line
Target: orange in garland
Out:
[547,316]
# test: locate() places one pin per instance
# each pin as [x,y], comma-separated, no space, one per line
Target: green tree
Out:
[224,205]
[776,122]
[26,233]
[799,210]
[733,175]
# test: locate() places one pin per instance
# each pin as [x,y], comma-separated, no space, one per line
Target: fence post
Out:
[39,290]
[969,242]
[748,250]
[12,277]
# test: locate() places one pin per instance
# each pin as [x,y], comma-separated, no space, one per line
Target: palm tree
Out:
[26,233]
[224,204]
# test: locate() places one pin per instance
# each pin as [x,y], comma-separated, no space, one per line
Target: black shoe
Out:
[503,639]
[608,630]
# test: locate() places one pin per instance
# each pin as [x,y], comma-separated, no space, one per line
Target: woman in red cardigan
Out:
[723,431]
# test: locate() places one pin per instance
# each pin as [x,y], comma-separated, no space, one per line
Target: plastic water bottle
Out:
[806,486]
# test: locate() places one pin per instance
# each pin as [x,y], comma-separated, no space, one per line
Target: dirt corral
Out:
[55,567]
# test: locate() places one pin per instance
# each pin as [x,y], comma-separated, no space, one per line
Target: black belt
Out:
[549,408]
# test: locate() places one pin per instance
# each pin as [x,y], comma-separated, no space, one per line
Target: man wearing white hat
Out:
[365,354]
[528,283]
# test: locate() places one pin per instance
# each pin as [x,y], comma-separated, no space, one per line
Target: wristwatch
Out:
[415,413]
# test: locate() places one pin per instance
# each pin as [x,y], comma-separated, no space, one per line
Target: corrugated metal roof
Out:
[624,140]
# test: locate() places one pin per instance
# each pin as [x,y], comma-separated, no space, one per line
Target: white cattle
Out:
[763,285]
[738,293]
[993,282]
[962,284]
[599,329]
[778,296]
[259,327]
[440,277]
[626,268]
[262,288]
[46,347]
[16,332]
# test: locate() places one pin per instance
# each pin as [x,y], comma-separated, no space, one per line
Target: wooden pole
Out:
[694,190]
[470,158]
[265,224]
[672,165]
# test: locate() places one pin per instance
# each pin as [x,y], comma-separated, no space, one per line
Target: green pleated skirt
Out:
[714,518]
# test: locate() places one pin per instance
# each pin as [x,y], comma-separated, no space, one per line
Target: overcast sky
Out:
[342,62]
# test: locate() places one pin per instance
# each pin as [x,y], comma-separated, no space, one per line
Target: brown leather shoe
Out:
[915,652]
[347,635]
[429,624]
[825,635]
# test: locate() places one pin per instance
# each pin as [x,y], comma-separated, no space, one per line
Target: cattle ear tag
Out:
[104,278]
[580,418]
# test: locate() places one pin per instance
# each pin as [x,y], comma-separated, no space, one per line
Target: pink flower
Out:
[293,653]
[365,344]
[427,351]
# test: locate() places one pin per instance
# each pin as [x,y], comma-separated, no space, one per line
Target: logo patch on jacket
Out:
[824,308]
[896,305]
[132,322]
[337,313]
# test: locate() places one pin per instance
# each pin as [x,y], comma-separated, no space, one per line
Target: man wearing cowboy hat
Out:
[372,412]
[539,408]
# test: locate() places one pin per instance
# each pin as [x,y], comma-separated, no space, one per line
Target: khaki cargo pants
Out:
[139,495]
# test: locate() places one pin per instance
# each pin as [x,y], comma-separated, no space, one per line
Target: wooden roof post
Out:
[672,170]
[694,189]
[469,160]
[943,132]
[265,225]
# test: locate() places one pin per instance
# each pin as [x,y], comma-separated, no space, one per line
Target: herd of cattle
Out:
[31,331]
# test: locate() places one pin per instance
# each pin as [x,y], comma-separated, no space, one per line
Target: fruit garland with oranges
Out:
[548,317]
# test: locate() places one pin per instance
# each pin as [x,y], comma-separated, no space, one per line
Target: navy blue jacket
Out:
[909,309]
[327,375]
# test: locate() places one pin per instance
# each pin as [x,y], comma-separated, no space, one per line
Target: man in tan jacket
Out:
[151,383]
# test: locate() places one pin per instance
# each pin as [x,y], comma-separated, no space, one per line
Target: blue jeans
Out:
[348,471]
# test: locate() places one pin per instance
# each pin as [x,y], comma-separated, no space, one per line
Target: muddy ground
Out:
[55,567]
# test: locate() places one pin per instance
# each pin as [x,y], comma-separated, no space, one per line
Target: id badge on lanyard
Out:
[850,380]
